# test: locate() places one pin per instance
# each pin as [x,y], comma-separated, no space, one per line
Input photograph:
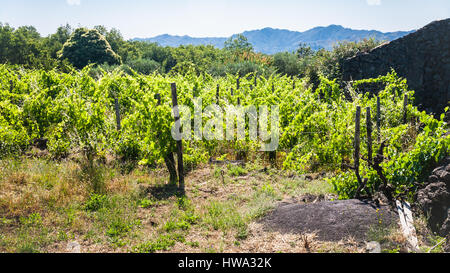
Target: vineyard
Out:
[75,113]
[124,121]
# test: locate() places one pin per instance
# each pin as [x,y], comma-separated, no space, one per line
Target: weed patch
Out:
[162,243]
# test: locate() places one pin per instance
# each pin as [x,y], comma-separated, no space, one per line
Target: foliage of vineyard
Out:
[75,113]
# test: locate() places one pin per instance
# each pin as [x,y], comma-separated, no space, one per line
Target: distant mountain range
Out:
[270,41]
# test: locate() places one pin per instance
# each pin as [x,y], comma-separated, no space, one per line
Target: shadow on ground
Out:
[163,192]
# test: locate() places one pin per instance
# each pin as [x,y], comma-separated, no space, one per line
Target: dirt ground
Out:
[253,208]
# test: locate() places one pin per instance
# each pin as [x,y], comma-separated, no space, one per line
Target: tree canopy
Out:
[87,46]
[109,50]
[238,43]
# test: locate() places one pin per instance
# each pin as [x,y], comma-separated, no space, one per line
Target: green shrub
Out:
[163,242]
[144,66]
[96,202]
[118,227]
[223,216]
[146,203]
[236,170]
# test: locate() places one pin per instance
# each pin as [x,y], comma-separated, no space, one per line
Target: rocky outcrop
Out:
[331,220]
[422,57]
[434,199]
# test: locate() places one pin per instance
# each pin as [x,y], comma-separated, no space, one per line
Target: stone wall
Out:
[422,57]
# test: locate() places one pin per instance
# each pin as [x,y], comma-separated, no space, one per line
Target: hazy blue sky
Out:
[200,18]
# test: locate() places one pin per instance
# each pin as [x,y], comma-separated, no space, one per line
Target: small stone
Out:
[441,174]
[438,169]
[445,177]
[433,179]
[73,247]
[448,166]
[381,198]
[373,247]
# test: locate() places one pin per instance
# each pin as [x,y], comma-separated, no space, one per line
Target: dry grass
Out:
[45,205]
[31,186]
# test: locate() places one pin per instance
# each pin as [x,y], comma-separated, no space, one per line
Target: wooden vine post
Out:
[357,148]
[241,155]
[158,99]
[168,158]
[217,94]
[176,114]
[273,154]
[273,157]
[117,109]
[238,87]
[379,119]
[405,109]
[369,135]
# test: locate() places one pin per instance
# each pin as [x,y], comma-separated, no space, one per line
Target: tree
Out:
[6,37]
[238,43]
[55,42]
[239,46]
[126,50]
[287,63]
[24,46]
[331,61]
[114,37]
[88,46]
[304,51]
[144,66]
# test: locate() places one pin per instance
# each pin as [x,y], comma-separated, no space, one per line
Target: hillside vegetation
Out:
[69,173]
[87,152]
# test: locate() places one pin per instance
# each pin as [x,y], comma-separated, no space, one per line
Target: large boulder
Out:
[434,199]
[422,57]
[331,220]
